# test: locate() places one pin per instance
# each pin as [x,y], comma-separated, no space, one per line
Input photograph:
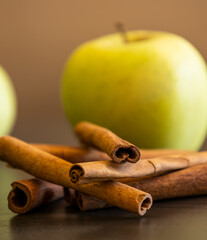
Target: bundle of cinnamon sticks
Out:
[106,171]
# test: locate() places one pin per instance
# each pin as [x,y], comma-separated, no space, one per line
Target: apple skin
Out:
[7,103]
[151,91]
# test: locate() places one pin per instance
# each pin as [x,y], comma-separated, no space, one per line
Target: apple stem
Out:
[120,28]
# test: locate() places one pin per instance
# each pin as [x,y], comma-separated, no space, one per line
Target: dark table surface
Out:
[172,219]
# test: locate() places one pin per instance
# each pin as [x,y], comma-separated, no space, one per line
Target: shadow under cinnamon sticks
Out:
[191,181]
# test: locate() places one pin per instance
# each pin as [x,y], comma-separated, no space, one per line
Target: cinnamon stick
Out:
[191,181]
[153,153]
[103,139]
[107,170]
[32,193]
[73,154]
[55,170]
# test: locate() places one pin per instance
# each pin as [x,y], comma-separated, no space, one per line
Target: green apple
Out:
[150,90]
[7,103]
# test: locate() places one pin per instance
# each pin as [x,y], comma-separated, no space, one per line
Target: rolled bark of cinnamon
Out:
[73,154]
[55,170]
[83,173]
[154,153]
[29,194]
[191,181]
[101,138]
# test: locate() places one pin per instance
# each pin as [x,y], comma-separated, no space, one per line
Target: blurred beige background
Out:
[36,37]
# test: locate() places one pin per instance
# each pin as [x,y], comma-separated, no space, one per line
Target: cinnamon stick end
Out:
[145,201]
[19,199]
[76,172]
[126,153]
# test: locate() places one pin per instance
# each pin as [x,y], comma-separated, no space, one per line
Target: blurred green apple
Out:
[151,90]
[7,103]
